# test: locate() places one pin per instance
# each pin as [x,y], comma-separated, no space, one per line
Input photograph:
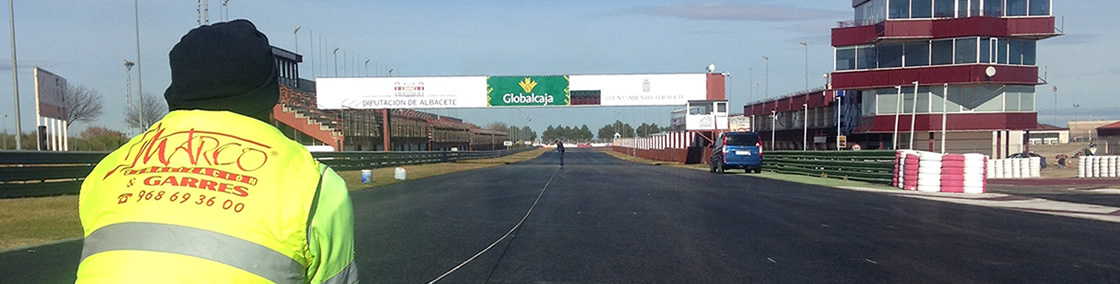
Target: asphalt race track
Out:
[600,219]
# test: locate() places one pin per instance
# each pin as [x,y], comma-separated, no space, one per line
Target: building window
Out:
[1015,52]
[917,53]
[921,9]
[887,101]
[943,8]
[1017,8]
[890,55]
[1026,100]
[871,12]
[986,98]
[985,50]
[908,100]
[923,100]
[993,8]
[845,59]
[942,52]
[865,57]
[965,51]
[962,8]
[1028,52]
[899,9]
[1040,8]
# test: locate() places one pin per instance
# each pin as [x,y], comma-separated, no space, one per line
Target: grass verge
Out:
[33,221]
[29,221]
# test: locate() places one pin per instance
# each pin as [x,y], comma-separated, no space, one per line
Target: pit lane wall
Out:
[678,147]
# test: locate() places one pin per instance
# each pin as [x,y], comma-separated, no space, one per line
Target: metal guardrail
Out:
[869,166]
[347,161]
[38,173]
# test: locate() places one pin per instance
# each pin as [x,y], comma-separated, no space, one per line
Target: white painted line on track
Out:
[511,230]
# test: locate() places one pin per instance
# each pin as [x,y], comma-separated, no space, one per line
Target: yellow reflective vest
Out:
[215,197]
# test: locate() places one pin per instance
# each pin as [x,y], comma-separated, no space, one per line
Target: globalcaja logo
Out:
[527,91]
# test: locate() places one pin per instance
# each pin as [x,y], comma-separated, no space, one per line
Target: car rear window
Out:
[742,139]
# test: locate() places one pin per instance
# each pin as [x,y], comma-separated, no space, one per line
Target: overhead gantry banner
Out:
[511,91]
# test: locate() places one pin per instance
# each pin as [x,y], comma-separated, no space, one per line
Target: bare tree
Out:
[154,109]
[83,104]
[498,126]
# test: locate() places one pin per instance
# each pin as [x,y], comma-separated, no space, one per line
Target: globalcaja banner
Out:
[527,91]
[401,92]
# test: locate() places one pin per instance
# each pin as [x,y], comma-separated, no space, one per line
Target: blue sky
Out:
[87,42]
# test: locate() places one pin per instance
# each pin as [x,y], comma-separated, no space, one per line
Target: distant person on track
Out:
[213,193]
[560,148]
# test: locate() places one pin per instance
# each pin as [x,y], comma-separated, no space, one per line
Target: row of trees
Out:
[85,105]
[515,133]
[567,133]
[605,133]
[624,130]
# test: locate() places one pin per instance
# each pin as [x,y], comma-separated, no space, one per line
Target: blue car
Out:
[736,150]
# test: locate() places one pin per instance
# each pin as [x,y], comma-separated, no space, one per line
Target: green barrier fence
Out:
[869,166]
[39,173]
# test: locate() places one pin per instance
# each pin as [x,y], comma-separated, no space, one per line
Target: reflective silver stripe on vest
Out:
[347,275]
[217,247]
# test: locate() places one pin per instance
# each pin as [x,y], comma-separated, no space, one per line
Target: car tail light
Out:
[724,149]
[759,145]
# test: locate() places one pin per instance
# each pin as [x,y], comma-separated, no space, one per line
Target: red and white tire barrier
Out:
[929,172]
[975,174]
[934,172]
[1098,166]
[1015,168]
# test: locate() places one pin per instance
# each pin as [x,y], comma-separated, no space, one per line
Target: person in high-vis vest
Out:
[212,193]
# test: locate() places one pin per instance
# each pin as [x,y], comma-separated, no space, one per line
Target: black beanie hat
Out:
[224,66]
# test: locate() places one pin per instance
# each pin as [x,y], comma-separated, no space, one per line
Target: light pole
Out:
[773,126]
[139,71]
[1055,105]
[913,115]
[5,133]
[225,10]
[767,59]
[128,86]
[750,94]
[805,125]
[15,73]
[295,34]
[336,62]
[367,67]
[944,114]
[806,45]
[730,86]
[898,108]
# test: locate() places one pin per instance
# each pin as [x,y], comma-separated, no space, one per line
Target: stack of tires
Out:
[1112,164]
[929,172]
[974,173]
[910,172]
[1034,166]
[1098,166]
[1082,172]
[952,173]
